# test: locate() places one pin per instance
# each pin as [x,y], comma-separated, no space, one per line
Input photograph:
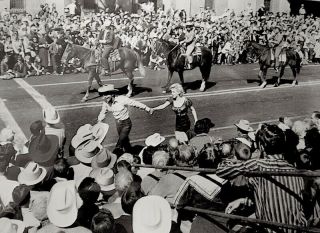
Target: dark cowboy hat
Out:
[43,149]
[107,90]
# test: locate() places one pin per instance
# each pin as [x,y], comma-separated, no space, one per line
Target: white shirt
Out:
[119,108]
[72,8]
[6,189]
[81,171]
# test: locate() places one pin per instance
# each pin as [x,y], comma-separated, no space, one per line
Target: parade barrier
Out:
[241,219]
[301,173]
[250,221]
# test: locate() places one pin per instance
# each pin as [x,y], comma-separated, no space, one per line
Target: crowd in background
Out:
[48,186]
[39,40]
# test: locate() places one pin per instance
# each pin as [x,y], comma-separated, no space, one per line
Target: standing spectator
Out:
[43,51]
[53,52]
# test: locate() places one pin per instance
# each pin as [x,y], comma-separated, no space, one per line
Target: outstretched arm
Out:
[103,111]
[162,106]
[194,113]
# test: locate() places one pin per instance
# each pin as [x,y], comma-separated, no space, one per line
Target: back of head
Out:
[130,197]
[312,138]
[89,190]
[271,138]
[147,154]
[123,180]
[61,168]
[160,158]
[103,222]
[207,157]
[186,156]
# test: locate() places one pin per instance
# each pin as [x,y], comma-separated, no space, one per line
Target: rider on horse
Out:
[190,42]
[277,43]
[106,39]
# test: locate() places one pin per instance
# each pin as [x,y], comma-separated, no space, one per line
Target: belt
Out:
[123,120]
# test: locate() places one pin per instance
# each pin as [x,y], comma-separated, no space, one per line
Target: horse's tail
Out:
[142,70]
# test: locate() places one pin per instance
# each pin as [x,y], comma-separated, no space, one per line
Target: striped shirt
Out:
[277,198]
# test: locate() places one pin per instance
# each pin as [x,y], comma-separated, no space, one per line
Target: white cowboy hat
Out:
[63,204]
[86,151]
[244,125]
[104,158]
[126,157]
[107,88]
[88,132]
[11,225]
[244,141]
[151,214]
[50,115]
[154,140]
[181,136]
[6,134]
[32,174]
[104,177]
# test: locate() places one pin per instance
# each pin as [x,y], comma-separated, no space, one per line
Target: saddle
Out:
[114,56]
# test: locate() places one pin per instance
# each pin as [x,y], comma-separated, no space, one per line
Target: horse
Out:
[129,60]
[176,61]
[265,61]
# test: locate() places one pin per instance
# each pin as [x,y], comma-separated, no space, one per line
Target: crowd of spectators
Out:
[39,40]
[90,188]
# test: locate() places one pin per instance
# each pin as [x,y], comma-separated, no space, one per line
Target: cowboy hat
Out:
[6,135]
[151,214]
[107,89]
[154,140]
[86,151]
[32,174]
[43,149]
[244,125]
[63,204]
[104,177]
[244,141]
[88,132]
[11,225]
[104,158]
[126,157]
[50,115]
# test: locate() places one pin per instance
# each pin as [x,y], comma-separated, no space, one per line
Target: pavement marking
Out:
[289,67]
[9,121]
[191,95]
[40,99]
[216,129]
[66,83]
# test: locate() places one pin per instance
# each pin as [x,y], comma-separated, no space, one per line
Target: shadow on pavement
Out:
[195,85]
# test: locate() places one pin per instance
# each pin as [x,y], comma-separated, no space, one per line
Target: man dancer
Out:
[118,105]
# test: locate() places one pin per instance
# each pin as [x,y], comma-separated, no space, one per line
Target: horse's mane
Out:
[169,44]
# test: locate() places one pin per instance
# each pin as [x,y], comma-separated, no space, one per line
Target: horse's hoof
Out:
[84,100]
[263,85]
[203,87]
[276,84]
[129,94]
[294,83]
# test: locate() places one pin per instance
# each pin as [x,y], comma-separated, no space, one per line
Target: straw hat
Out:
[104,158]
[244,125]
[126,157]
[32,174]
[104,177]
[86,151]
[50,115]
[154,140]
[63,204]
[244,141]
[151,214]
[11,225]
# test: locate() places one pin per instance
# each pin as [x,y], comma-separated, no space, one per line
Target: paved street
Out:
[232,95]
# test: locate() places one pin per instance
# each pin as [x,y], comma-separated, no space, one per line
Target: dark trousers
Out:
[124,128]
[105,55]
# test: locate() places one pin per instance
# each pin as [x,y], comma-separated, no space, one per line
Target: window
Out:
[17,4]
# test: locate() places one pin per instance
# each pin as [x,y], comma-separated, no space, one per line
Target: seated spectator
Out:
[159,158]
[29,67]
[128,199]
[62,209]
[5,72]
[20,69]
[169,184]
[62,171]
[89,192]
[123,179]
[103,222]
[54,126]
[201,129]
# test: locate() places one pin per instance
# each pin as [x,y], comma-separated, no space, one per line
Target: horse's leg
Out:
[97,77]
[262,75]
[205,72]
[181,77]
[90,80]
[165,87]
[295,79]
[280,76]
[130,85]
